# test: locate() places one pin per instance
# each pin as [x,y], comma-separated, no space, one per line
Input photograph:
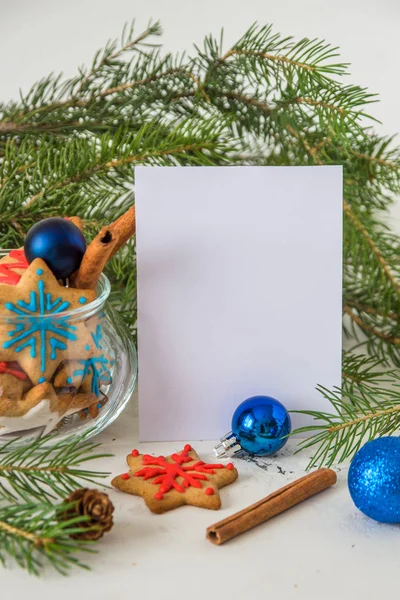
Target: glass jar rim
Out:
[103,289]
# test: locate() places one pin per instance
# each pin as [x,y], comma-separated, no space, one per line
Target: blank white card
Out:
[239,293]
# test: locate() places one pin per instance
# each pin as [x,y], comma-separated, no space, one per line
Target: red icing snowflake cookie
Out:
[168,482]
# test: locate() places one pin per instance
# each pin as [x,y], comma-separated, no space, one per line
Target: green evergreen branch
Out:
[33,535]
[364,370]
[361,414]
[111,53]
[261,44]
[372,247]
[43,472]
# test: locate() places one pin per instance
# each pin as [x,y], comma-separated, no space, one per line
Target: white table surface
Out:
[323,548]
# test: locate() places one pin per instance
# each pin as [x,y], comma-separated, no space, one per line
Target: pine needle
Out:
[43,473]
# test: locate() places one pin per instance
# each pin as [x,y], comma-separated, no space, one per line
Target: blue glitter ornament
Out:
[58,242]
[374,479]
[259,426]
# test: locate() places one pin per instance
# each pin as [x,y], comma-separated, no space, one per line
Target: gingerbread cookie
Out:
[13,266]
[51,364]
[13,382]
[168,482]
[41,406]
[34,332]
[90,379]
[94,409]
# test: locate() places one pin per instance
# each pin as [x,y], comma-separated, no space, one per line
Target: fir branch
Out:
[69,146]
[109,55]
[363,370]
[370,310]
[46,469]
[372,246]
[362,415]
[371,330]
[311,56]
[33,535]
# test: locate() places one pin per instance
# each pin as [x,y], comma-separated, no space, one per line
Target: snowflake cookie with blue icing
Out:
[90,373]
[36,329]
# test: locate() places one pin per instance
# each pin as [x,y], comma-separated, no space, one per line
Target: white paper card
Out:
[239,292]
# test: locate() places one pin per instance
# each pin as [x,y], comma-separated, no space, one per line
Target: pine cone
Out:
[94,504]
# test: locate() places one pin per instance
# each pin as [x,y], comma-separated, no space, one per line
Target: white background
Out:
[39,36]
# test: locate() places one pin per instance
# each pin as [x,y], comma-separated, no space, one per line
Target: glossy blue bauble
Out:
[374,479]
[260,424]
[59,243]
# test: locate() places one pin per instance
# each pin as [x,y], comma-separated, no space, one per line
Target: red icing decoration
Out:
[6,273]
[209,491]
[12,368]
[125,476]
[135,452]
[230,466]
[165,474]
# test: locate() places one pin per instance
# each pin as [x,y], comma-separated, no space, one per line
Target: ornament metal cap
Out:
[229,446]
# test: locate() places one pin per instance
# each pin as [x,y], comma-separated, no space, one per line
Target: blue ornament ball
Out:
[260,424]
[374,479]
[59,243]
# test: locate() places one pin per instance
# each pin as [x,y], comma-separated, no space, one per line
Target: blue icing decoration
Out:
[82,300]
[42,379]
[69,380]
[98,368]
[97,337]
[99,405]
[87,347]
[39,272]
[39,334]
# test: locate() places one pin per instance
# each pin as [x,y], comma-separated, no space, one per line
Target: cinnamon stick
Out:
[97,254]
[77,221]
[124,226]
[106,243]
[272,505]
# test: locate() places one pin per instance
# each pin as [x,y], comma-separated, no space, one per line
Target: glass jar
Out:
[68,364]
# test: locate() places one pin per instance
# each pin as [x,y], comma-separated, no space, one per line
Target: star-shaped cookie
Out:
[41,407]
[35,328]
[13,266]
[168,482]
[89,374]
